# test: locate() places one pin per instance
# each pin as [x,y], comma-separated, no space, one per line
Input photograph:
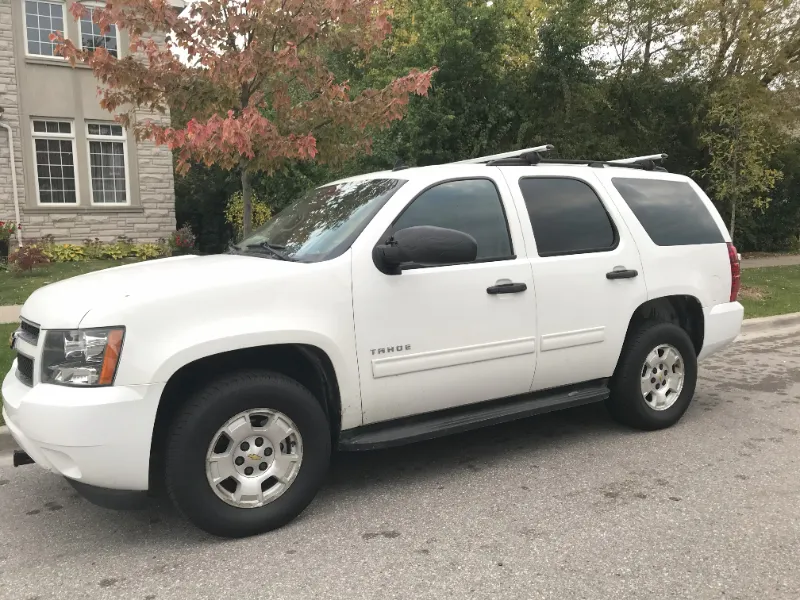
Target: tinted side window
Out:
[671,212]
[472,206]
[567,216]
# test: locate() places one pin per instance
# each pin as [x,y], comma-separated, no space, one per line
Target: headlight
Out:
[82,356]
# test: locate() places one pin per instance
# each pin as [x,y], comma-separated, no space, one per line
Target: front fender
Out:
[229,335]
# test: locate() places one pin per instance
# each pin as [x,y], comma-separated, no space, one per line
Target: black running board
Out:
[465,418]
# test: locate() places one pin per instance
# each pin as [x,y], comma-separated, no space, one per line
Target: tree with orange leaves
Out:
[252,75]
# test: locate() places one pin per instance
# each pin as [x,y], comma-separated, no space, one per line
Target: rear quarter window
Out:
[671,212]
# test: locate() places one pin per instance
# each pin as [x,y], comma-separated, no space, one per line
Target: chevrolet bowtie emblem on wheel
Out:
[253,457]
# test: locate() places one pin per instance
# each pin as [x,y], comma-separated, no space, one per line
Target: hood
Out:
[65,303]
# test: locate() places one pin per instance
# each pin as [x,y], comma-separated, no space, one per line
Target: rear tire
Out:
[241,398]
[655,378]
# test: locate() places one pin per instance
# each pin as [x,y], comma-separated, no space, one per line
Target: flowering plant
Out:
[7,229]
[182,240]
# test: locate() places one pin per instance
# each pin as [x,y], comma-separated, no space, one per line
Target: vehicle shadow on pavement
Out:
[357,479]
[359,476]
[428,461]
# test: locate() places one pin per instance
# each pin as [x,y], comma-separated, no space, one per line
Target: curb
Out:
[748,326]
[761,323]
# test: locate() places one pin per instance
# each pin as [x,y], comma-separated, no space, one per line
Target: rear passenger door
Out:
[586,271]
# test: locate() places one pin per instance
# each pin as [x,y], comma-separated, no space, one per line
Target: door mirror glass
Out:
[424,245]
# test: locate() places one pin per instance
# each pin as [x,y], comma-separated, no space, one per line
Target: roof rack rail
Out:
[533,156]
[503,155]
[640,159]
[645,163]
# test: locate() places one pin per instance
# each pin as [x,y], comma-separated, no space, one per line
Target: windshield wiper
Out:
[271,249]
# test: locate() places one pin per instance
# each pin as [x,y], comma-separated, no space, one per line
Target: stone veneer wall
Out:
[154,219]
[10,116]
[155,216]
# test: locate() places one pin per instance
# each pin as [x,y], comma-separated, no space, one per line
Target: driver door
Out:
[435,337]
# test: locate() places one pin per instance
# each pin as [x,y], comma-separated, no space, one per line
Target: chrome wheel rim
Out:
[254,458]
[662,375]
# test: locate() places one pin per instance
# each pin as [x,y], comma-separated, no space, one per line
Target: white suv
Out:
[377,310]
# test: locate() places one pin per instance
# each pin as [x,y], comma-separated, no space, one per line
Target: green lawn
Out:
[770,291]
[6,355]
[15,289]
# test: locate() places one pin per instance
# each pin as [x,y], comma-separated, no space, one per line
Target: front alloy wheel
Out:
[247,453]
[254,458]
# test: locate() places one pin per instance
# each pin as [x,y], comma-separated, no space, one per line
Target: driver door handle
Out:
[507,288]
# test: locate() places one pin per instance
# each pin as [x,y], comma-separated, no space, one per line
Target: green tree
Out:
[740,142]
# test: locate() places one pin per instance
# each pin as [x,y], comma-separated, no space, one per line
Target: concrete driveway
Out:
[564,506]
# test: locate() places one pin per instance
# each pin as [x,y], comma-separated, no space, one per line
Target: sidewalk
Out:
[9,314]
[771,261]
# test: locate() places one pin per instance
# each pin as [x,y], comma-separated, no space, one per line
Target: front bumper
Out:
[723,323]
[95,436]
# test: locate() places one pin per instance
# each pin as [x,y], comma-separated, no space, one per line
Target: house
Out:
[78,173]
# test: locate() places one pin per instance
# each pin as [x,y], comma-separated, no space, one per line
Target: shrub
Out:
[64,252]
[117,250]
[235,209]
[182,241]
[149,251]
[123,247]
[26,258]
[93,248]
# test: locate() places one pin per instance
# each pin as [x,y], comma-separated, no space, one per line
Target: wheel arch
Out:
[685,311]
[308,364]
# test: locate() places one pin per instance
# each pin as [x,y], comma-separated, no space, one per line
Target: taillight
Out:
[736,271]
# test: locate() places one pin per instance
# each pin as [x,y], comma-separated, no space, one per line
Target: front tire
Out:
[655,378]
[247,454]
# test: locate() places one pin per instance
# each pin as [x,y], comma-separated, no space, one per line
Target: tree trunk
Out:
[648,46]
[735,174]
[247,202]
[735,196]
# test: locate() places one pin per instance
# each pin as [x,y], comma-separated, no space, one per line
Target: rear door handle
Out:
[507,288]
[622,273]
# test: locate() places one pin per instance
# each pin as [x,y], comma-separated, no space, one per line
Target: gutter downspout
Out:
[13,164]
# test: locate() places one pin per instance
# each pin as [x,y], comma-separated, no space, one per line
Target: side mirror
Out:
[424,245]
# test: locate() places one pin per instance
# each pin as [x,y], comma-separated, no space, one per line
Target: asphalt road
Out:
[563,506]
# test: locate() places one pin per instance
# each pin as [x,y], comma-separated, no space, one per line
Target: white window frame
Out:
[55,136]
[91,5]
[96,137]
[64,17]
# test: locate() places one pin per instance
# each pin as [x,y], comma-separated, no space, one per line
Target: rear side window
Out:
[671,212]
[472,206]
[567,216]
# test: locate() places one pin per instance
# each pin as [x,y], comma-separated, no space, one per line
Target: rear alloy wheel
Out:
[247,453]
[662,377]
[655,378]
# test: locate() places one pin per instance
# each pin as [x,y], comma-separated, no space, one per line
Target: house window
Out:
[92,36]
[42,19]
[54,145]
[107,163]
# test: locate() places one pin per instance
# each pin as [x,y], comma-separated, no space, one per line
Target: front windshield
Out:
[323,223]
